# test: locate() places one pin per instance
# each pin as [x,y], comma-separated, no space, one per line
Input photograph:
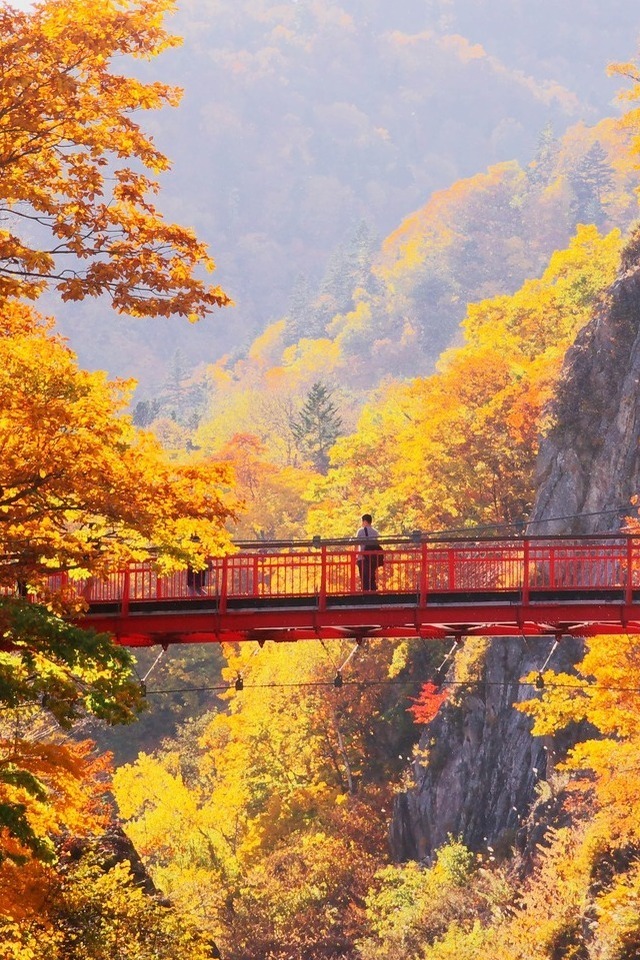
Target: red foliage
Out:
[426,705]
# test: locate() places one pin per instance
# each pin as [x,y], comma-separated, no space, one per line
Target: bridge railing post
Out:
[126,590]
[628,589]
[322,599]
[64,582]
[224,586]
[255,579]
[525,573]
[423,574]
[87,590]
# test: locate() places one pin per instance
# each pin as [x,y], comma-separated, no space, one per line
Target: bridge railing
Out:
[583,565]
[531,566]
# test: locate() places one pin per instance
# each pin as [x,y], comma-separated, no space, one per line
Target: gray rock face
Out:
[589,464]
[479,781]
[483,764]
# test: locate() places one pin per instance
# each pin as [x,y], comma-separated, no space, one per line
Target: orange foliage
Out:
[63,793]
[74,471]
[66,126]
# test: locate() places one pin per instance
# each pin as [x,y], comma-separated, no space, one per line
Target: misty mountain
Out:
[302,120]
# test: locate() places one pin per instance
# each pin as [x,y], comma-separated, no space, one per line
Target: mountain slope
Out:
[302,119]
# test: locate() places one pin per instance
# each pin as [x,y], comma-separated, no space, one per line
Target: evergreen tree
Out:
[349,267]
[590,180]
[182,399]
[336,288]
[146,411]
[541,168]
[174,389]
[299,310]
[360,255]
[317,426]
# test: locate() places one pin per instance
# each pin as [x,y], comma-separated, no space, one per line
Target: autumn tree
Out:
[630,94]
[81,488]
[602,697]
[82,491]
[593,858]
[92,905]
[269,817]
[410,906]
[77,169]
[273,504]
[425,706]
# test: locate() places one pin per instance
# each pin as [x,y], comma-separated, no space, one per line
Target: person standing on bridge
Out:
[196,578]
[370,553]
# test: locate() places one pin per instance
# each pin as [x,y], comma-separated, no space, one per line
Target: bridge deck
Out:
[535,587]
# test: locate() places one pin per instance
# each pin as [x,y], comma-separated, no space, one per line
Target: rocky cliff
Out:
[480,776]
[589,463]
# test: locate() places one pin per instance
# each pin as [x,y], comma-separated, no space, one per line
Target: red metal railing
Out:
[422,570]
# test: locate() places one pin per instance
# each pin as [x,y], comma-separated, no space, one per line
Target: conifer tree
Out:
[146,411]
[541,168]
[299,310]
[175,391]
[590,180]
[348,267]
[317,426]
[360,254]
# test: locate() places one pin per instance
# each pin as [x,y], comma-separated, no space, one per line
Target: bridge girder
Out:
[208,625]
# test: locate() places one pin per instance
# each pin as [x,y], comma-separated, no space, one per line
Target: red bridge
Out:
[430,589]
